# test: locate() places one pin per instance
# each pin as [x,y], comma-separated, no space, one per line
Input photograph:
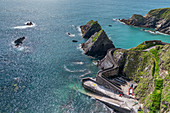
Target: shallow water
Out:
[38,77]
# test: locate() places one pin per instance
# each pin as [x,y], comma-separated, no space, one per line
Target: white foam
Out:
[95,63]
[65,67]
[25,26]
[80,48]
[118,21]
[162,33]
[80,63]
[85,74]
[20,48]
[73,26]
[70,35]
[79,30]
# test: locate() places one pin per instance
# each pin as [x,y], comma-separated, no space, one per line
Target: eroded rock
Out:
[97,45]
[90,28]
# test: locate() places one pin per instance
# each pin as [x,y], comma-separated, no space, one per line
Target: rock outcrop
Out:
[90,28]
[97,45]
[19,41]
[159,19]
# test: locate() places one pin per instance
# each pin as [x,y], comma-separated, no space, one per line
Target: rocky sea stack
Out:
[90,28]
[98,42]
[159,19]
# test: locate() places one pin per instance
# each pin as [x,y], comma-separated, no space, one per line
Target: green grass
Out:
[144,45]
[92,22]
[160,13]
[155,54]
[156,95]
[97,35]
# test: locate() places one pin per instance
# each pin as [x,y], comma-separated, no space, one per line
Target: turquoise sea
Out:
[39,76]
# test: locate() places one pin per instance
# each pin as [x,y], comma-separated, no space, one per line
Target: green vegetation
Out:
[144,45]
[142,89]
[165,57]
[138,64]
[158,60]
[160,13]
[150,69]
[165,93]
[92,22]
[156,95]
[139,18]
[155,54]
[97,35]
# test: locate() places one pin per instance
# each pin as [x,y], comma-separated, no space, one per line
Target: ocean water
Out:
[41,76]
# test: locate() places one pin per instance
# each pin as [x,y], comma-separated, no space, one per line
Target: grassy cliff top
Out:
[92,22]
[160,13]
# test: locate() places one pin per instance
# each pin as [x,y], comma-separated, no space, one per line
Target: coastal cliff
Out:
[159,19]
[146,66]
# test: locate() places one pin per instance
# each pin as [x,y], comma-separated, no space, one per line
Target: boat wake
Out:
[25,26]
[73,71]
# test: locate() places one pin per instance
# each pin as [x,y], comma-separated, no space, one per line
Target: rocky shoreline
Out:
[158,19]
[143,68]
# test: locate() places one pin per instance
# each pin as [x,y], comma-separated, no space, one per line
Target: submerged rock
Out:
[90,28]
[159,19]
[19,41]
[97,45]
[74,41]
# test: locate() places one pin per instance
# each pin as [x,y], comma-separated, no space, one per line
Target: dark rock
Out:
[19,41]
[110,25]
[97,45]
[156,18]
[74,41]
[90,28]
[29,23]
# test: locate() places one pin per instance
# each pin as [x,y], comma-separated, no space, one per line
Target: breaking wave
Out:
[25,26]
[72,71]
[70,35]
[80,63]
[85,74]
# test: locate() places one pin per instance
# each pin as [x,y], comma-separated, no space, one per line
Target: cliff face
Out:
[90,28]
[156,18]
[97,45]
[150,69]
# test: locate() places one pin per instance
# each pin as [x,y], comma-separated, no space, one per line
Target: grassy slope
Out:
[160,13]
[144,67]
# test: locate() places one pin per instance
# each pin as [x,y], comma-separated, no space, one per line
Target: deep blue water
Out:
[36,77]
